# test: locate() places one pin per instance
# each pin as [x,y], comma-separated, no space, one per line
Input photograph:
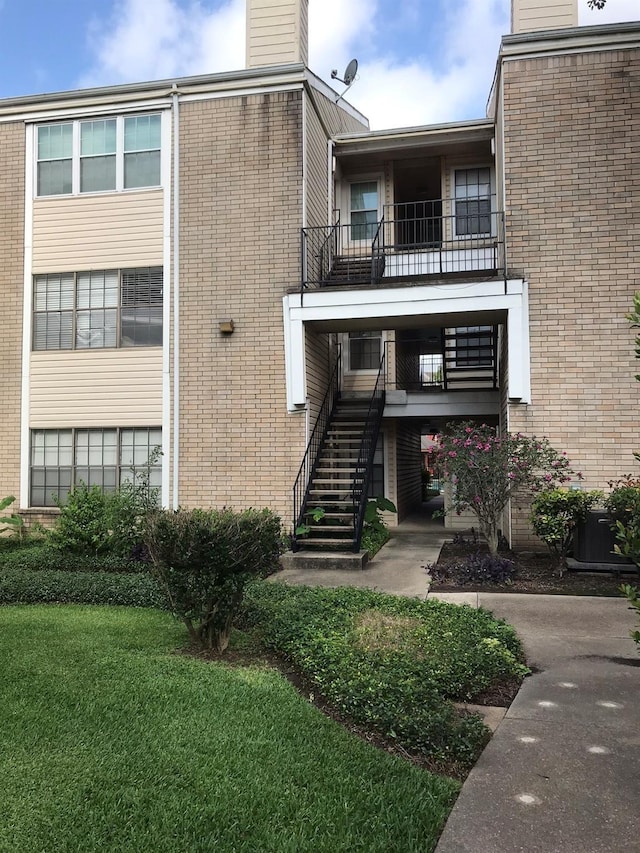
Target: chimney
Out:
[530,15]
[277,32]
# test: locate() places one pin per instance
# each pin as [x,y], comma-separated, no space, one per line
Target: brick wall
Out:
[240,195]
[11,287]
[572,171]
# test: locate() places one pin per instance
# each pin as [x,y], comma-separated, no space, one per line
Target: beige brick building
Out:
[233,267]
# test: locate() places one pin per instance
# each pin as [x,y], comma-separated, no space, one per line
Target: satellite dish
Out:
[349,73]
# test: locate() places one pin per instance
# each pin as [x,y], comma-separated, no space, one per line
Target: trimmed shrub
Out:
[44,557]
[623,507]
[204,559]
[40,587]
[391,663]
[555,515]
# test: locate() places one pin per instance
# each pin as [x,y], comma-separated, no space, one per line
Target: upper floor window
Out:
[99,155]
[363,214]
[473,201]
[96,309]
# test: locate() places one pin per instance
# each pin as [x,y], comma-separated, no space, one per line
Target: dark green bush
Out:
[555,513]
[36,587]
[204,559]
[39,556]
[623,507]
[391,663]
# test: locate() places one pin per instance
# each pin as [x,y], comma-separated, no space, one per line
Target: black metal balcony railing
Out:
[411,239]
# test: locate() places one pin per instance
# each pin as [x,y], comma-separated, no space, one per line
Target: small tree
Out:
[488,469]
[555,514]
[204,559]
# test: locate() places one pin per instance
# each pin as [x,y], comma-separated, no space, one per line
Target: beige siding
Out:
[409,468]
[276,32]
[453,521]
[316,165]
[572,162]
[336,119]
[11,287]
[96,388]
[529,15]
[317,371]
[97,232]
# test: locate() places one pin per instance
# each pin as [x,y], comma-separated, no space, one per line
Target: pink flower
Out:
[477,499]
[468,430]
[452,454]
[468,443]
[511,475]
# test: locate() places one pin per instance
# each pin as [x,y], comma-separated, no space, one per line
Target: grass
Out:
[111,741]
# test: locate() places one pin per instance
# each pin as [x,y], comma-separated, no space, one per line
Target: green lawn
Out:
[111,741]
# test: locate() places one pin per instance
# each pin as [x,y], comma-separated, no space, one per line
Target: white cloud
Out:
[616,11]
[395,93]
[146,41]
[167,38]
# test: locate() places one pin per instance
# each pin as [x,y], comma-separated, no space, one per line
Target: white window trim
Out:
[119,155]
[345,203]
[348,370]
[464,167]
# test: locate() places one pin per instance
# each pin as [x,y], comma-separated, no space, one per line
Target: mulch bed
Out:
[536,573]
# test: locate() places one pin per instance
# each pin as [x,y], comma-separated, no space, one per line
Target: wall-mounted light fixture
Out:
[226,327]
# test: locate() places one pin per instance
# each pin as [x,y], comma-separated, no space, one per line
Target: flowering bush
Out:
[487,469]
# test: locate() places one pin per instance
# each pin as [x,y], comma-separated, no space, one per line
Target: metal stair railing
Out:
[364,468]
[310,459]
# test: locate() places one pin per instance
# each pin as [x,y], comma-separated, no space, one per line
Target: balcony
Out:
[435,239]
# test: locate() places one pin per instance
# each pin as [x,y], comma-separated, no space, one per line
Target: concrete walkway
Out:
[398,568]
[562,771]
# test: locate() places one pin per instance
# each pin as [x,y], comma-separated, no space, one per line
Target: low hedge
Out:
[394,664]
[77,587]
[39,556]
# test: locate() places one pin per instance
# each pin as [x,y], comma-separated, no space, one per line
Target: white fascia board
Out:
[294,359]
[321,305]
[390,303]
[519,361]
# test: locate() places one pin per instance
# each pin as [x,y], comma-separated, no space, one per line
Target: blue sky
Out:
[421,61]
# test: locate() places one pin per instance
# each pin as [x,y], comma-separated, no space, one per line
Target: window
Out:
[98,309]
[473,202]
[365,350]
[364,210]
[101,155]
[473,346]
[63,458]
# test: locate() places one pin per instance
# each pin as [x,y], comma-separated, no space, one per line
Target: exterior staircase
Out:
[336,484]
[347,269]
[330,492]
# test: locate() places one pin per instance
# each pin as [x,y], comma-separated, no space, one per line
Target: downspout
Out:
[175,109]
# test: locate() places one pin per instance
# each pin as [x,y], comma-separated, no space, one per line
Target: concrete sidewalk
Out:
[562,771]
[398,568]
